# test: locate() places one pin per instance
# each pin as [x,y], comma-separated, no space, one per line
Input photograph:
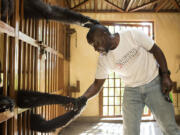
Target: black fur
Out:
[28,99]
[40,10]
[38,123]
[6,103]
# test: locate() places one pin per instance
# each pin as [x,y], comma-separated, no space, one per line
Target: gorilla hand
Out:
[6,103]
[89,22]
[79,103]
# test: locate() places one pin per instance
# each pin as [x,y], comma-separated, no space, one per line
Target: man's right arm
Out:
[80,102]
[94,88]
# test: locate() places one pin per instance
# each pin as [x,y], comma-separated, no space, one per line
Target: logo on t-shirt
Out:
[127,58]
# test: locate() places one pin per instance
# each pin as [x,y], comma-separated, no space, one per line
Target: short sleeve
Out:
[142,39]
[102,70]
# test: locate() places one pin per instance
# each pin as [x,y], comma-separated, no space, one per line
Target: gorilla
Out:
[39,10]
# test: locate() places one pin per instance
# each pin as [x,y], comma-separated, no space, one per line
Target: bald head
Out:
[96,30]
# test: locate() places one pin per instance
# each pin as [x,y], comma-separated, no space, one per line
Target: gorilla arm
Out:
[40,10]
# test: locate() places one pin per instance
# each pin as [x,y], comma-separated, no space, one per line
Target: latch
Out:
[42,50]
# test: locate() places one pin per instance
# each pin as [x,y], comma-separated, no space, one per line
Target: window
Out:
[111,97]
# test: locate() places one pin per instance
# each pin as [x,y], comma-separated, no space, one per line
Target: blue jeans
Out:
[149,94]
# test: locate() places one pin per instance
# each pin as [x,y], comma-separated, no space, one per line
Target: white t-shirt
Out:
[131,58]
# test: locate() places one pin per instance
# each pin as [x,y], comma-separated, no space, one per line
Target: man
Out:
[137,59]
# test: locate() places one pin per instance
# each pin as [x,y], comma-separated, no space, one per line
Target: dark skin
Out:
[166,80]
[101,41]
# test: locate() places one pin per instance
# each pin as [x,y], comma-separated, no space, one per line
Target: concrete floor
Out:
[80,127]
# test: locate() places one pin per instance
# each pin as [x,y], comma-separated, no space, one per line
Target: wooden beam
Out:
[102,11]
[80,4]
[144,6]
[10,31]
[6,28]
[161,4]
[95,5]
[124,4]
[14,65]
[114,6]
[174,2]
[4,116]
[67,3]
[129,5]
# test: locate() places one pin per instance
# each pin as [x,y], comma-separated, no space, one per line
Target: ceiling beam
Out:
[95,5]
[124,4]
[67,3]
[144,6]
[161,5]
[102,11]
[114,6]
[129,5]
[80,4]
[174,2]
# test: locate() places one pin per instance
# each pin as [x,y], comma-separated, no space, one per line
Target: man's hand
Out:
[166,84]
[77,104]
[6,103]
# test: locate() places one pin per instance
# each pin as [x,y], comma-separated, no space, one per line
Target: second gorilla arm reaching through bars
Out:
[40,10]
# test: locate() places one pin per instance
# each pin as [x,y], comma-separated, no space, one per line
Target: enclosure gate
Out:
[32,54]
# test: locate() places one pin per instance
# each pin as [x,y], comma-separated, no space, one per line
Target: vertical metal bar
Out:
[24,65]
[5,73]
[43,31]
[14,65]
[28,124]
[55,26]
[52,34]
[24,123]
[32,68]
[19,124]
[57,37]
[48,34]
[53,72]
[56,72]
[48,82]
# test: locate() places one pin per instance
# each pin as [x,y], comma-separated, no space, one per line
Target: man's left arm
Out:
[165,74]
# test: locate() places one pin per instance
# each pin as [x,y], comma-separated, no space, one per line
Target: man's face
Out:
[101,42]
